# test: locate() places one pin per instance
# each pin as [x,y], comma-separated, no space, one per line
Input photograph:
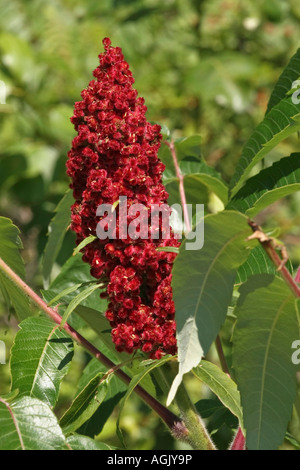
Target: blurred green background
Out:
[203,67]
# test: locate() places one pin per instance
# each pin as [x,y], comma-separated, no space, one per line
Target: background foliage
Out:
[203,67]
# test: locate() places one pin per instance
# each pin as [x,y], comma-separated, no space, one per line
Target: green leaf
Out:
[74,272]
[271,184]
[78,442]
[284,84]
[116,390]
[188,147]
[56,233]
[282,121]
[206,407]
[64,293]
[168,249]
[198,178]
[222,386]
[217,413]
[202,283]
[84,242]
[85,404]
[19,59]
[267,324]
[147,367]
[292,441]
[40,358]
[165,131]
[10,253]
[195,192]
[84,294]
[91,309]
[258,262]
[29,424]
[99,323]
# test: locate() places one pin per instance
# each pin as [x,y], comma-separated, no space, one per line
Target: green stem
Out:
[221,355]
[198,436]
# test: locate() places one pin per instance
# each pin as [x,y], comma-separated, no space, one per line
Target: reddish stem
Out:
[181,186]
[268,246]
[239,441]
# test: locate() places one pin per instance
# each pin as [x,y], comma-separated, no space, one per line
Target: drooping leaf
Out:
[221,385]
[267,324]
[282,121]
[56,233]
[146,368]
[206,407]
[84,242]
[284,84]
[29,424]
[10,253]
[218,413]
[97,321]
[115,391]
[217,416]
[84,294]
[40,358]
[64,293]
[84,404]
[271,184]
[202,285]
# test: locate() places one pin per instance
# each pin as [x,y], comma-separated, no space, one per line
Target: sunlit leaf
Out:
[40,358]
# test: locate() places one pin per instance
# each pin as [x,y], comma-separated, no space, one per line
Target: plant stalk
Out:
[198,437]
[181,187]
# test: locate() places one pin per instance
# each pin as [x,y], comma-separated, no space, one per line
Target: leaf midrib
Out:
[39,366]
[15,422]
[235,402]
